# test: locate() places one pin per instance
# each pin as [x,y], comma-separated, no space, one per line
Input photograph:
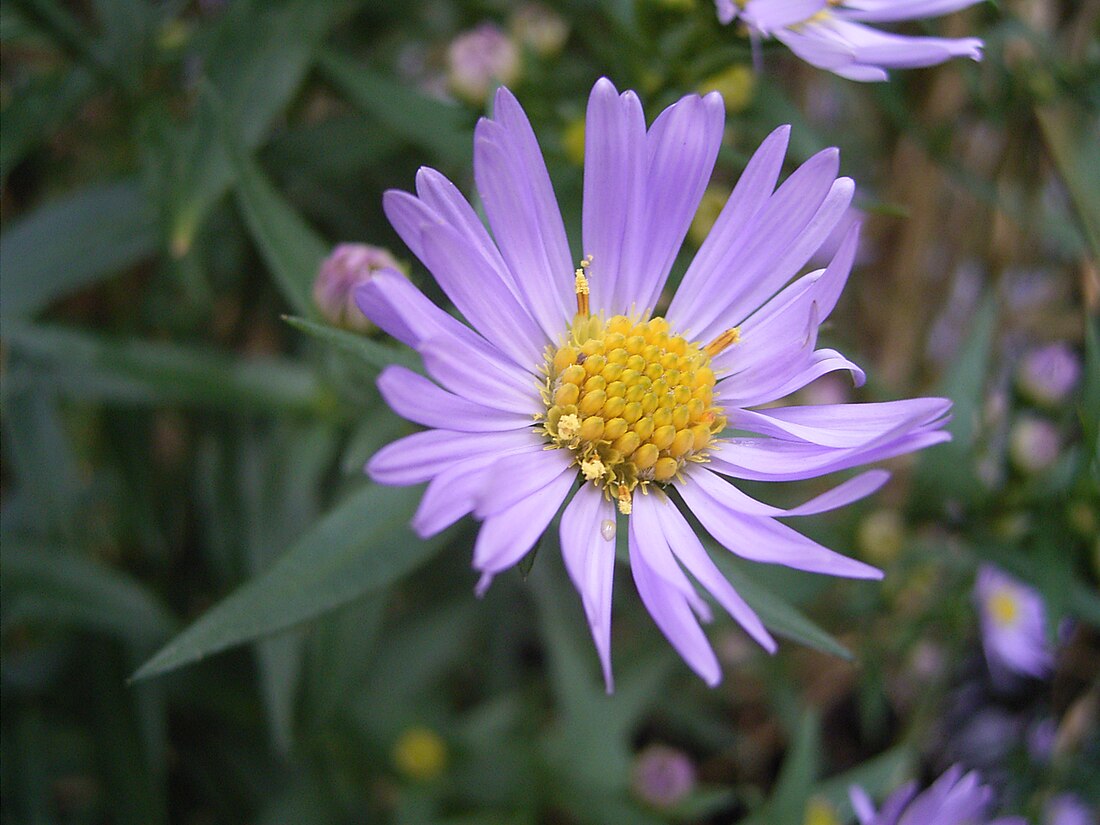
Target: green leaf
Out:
[779,615]
[373,354]
[36,110]
[255,62]
[48,586]
[947,472]
[437,127]
[800,768]
[290,247]
[147,372]
[1070,134]
[361,546]
[1090,397]
[72,242]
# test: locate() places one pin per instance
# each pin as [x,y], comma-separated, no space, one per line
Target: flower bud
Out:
[348,266]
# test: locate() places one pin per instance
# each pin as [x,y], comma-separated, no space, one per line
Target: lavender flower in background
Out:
[831,34]
[542,30]
[478,60]
[1068,809]
[953,799]
[1048,374]
[663,776]
[348,266]
[1033,444]
[1013,624]
[567,376]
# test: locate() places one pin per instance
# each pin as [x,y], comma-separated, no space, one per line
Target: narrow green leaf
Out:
[1070,134]
[255,61]
[947,472]
[61,588]
[361,546]
[146,372]
[73,242]
[779,615]
[1090,396]
[430,124]
[373,354]
[292,250]
[800,768]
[36,110]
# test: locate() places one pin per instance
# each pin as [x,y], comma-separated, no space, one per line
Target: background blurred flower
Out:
[1033,444]
[543,30]
[1068,809]
[1048,374]
[479,59]
[662,776]
[1013,623]
[953,799]
[420,754]
[736,84]
[832,35]
[348,266]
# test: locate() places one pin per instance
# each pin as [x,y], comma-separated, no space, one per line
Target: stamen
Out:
[727,339]
[625,504]
[569,427]
[580,286]
[593,469]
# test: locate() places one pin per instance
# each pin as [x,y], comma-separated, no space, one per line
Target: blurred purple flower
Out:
[1033,444]
[1013,623]
[1068,809]
[348,266]
[663,776]
[480,58]
[566,376]
[953,799]
[1048,374]
[831,34]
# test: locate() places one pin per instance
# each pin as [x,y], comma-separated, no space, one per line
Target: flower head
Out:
[1048,374]
[953,799]
[480,58]
[831,34]
[1013,622]
[663,776]
[349,265]
[567,385]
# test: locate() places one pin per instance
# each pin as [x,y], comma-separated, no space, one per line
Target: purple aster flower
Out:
[1048,374]
[953,799]
[1013,622]
[1068,809]
[566,380]
[663,776]
[480,58]
[831,34]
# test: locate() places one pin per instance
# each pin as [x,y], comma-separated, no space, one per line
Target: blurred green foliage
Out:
[182,464]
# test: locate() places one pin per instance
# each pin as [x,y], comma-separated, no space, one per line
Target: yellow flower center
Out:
[1003,608]
[633,402]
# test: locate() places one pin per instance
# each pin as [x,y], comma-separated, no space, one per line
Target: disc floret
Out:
[632,401]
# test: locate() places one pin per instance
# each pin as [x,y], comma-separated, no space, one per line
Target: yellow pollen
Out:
[593,469]
[1003,608]
[569,427]
[727,339]
[631,400]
